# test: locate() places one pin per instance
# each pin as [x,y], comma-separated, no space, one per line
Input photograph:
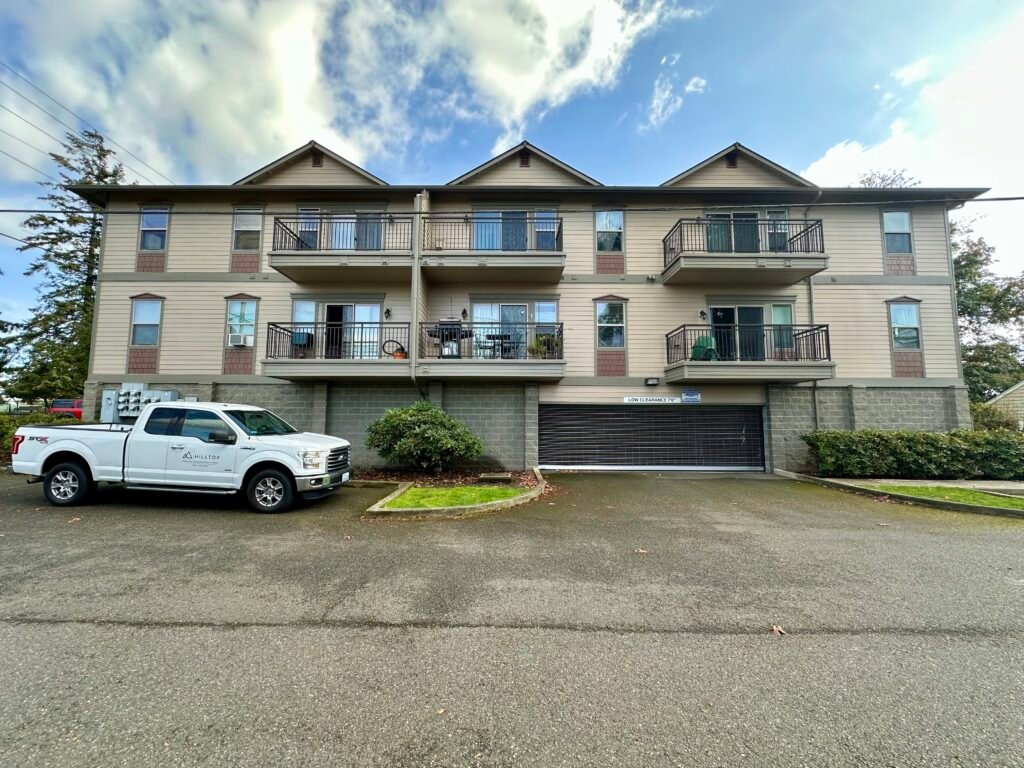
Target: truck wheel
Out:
[270,490]
[67,484]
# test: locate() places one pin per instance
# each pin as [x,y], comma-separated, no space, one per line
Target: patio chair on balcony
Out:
[704,349]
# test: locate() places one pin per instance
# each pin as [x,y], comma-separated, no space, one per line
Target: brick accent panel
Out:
[245,262]
[239,359]
[611,263]
[611,362]
[908,363]
[899,264]
[151,262]
[143,359]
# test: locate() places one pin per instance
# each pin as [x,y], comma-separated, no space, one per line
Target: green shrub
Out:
[957,455]
[987,416]
[422,436]
[9,425]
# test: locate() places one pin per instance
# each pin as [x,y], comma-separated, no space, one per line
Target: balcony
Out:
[311,247]
[337,350]
[493,245]
[734,250]
[492,350]
[748,353]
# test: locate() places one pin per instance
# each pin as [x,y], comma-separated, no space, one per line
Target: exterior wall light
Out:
[652,381]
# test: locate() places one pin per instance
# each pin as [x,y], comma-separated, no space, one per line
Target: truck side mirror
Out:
[222,436]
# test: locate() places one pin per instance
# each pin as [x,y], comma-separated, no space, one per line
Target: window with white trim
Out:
[608,231]
[611,325]
[153,228]
[146,322]
[241,321]
[248,224]
[905,321]
[896,225]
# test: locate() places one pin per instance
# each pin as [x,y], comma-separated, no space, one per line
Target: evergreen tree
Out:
[52,348]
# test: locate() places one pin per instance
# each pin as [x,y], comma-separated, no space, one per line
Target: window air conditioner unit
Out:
[239,340]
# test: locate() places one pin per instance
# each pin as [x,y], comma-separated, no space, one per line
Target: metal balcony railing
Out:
[343,232]
[500,231]
[337,341]
[490,340]
[736,235]
[709,343]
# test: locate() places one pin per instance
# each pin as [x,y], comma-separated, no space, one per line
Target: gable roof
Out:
[1006,392]
[305,149]
[759,159]
[535,150]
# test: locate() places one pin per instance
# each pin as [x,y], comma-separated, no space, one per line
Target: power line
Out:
[30,167]
[631,209]
[17,239]
[29,122]
[30,146]
[79,117]
[69,127]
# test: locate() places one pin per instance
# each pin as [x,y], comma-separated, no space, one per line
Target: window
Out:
[201,424]
[304,312]
[905,320]
[545,231]
[146,322]
[611,324]
[778,231]
[609,231]
[153,229]
[897,231]
[248,223]
[261,423]
[242,317]
[163,421]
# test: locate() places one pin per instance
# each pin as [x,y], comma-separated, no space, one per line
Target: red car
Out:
[68,408]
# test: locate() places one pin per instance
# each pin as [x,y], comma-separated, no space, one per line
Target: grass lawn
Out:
[944,493]
[453,496]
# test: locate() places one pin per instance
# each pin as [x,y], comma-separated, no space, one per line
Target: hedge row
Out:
[9,425]
[957,455]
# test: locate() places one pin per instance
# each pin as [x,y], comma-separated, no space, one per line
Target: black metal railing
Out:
[337,341]
[343,232]
[708,343]
[492,231]
[491,340]
[735,235]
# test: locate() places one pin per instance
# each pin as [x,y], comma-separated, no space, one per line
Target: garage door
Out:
[651,436]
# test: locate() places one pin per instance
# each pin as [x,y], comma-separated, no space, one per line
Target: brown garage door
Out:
[651,436]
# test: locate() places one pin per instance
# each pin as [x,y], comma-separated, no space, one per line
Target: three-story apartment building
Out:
[706,322]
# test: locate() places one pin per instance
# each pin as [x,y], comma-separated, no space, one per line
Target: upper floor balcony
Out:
[337,350]
[311,246]
[491,350]
[748,353]
[501,245]
[742,247]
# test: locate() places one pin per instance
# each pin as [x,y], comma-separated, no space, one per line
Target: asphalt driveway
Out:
[172,630]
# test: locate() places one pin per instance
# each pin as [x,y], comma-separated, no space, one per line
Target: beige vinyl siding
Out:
[1013,403]
[192,329]
[301,171]
[854,243]
[858,322]
[652,311]
[747,173]
[540,173]
[747,394]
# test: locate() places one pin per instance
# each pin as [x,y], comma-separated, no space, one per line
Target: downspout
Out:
[810,303]
[416,288]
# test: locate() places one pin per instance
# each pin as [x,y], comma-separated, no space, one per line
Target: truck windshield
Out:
[261,423]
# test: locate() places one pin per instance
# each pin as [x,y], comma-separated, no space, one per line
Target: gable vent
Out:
[731,159]
[524,158]
[318,159]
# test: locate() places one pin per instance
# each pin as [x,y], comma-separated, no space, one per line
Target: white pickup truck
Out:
[191,447]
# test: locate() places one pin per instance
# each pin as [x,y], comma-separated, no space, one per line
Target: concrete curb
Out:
[861,490]
[356,483]
[379,509]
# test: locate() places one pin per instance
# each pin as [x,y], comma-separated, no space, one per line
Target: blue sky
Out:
[629,92]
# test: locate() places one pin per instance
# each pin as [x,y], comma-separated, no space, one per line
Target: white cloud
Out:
[696,84]
[960,130]
[665,102]
[889,100]
[207,91]
[914,72]
[670,60]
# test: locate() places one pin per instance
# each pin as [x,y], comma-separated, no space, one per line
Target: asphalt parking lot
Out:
[623,620]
